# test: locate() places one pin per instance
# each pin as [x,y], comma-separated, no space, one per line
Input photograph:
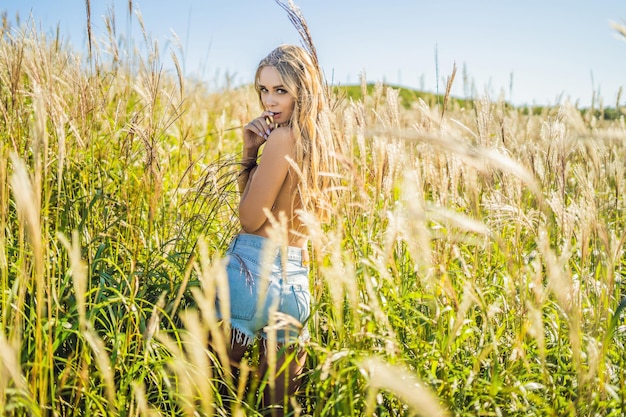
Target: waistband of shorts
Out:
[255,241]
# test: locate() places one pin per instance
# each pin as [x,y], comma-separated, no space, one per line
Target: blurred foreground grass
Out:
[473,264]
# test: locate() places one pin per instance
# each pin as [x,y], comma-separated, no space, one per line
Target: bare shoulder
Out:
[279,145]
[282,135]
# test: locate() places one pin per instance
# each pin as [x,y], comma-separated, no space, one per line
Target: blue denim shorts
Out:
[253,297]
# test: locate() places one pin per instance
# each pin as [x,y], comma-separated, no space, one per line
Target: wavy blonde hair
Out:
[315,152]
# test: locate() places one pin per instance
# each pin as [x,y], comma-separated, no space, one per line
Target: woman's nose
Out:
[269,99]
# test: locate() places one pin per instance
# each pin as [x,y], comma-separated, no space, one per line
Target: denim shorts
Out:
[256,292]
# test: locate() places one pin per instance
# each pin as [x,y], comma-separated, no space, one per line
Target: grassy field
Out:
[473,265]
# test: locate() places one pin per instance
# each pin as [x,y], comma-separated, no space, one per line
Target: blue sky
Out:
[532,51]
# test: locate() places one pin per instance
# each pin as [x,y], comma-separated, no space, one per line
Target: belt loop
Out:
[305,257]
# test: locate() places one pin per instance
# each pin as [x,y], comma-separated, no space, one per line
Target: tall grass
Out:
[473,265]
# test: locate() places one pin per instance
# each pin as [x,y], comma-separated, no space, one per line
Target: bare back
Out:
[273,185]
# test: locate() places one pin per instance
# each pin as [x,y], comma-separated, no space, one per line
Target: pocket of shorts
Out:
[243,294]
[303,303]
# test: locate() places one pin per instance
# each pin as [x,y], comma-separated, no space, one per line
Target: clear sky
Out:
[532,51]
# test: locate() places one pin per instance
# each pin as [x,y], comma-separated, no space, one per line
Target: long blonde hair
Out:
[315,151]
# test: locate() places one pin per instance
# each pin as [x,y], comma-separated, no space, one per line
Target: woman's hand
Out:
[258,130]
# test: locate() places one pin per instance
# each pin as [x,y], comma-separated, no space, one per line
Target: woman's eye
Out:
[281,91]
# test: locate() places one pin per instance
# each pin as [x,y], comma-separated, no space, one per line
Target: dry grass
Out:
[472,266]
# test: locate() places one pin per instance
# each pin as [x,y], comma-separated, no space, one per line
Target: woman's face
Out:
[274,95]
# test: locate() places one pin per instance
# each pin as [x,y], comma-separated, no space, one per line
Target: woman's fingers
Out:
[262,126]
[255,127]
[269,119]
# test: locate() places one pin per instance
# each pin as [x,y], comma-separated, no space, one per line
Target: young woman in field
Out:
[286,178]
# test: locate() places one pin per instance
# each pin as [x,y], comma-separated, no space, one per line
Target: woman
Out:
[287,178]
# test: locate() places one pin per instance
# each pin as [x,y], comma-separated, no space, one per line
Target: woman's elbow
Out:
[248,228]
[250,222]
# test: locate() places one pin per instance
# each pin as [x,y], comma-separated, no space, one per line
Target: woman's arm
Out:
[248,164]
[255,134]
[265,180]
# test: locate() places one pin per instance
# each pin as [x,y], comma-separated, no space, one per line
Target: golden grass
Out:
[472,265]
